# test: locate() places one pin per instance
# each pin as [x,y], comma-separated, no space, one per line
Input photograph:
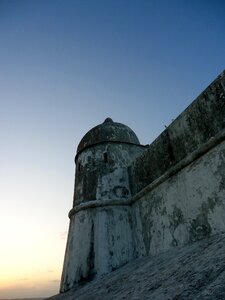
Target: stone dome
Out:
[108,131]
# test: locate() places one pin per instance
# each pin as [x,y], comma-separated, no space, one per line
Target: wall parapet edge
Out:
[202,120]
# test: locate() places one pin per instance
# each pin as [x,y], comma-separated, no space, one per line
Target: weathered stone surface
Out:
[193,272]
[197,124]
[99,241]
[101,171]
[108,131]
[186,207]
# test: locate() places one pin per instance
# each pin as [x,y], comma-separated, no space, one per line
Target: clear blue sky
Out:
[64,67]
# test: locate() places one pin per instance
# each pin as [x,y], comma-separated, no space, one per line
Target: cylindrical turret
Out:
[100,235]
[103,156]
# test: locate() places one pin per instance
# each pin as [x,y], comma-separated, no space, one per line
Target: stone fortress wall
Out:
[167,194]
[179,195]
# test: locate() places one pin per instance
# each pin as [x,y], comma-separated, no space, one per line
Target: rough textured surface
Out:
[200,121]
[108,131]
[101,171]
[99,241]
[186,207]
[194,272]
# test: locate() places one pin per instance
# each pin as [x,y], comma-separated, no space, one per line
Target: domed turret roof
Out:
[108,131]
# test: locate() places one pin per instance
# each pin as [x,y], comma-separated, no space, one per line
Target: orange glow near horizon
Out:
[31,262]
[33,225]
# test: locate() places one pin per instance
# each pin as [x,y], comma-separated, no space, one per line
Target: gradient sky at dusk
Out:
[64,67]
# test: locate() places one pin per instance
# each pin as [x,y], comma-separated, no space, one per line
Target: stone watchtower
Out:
[100,233]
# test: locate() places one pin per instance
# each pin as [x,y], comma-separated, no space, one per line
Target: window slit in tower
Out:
[105,157]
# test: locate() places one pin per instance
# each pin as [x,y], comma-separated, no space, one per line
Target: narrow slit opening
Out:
[105,157]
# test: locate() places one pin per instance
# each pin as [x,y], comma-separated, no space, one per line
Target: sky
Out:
[65,66]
